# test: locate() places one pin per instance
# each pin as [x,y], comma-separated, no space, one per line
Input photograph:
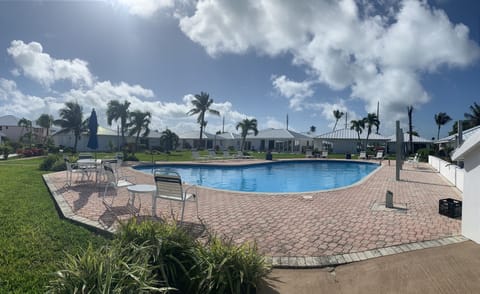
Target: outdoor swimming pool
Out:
[274,177]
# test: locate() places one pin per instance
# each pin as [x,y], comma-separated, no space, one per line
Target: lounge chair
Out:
[414,160]
[85,156]
[362,155]
[240,155]
[169,187]
[324,154]
[196,156]
[113,181]
[226,155]
[213,155]
[379,155]
[308,153]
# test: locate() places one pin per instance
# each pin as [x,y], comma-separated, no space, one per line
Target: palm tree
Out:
[201,105]
[71,120]
[474,116]
[45,121]
[338,115]
[358,126]
[26,124]
[313,129]
[370,121]
[139,121]
[410,127]
[247,125]
[118,111]
[441,118]
[169,140]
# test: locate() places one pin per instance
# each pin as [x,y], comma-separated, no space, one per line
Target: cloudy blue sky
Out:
[256,58]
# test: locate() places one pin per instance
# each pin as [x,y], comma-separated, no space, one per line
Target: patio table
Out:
[141,189]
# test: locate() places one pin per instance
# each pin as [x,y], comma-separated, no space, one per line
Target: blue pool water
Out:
[288,176]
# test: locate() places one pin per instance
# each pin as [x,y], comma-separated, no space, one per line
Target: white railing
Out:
[450,171]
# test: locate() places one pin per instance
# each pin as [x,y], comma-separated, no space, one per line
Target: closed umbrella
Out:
[93,128]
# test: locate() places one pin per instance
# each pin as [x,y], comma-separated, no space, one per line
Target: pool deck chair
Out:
[226,155]
[379,155]
[213,155]
[113,181]
[308,153]
[414,160]
[362,155]
[196,156]
[72,168]
[169,187]
[240,155]
[324,154]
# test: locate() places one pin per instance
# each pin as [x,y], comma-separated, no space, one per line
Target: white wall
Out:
[471,197]
[454,174]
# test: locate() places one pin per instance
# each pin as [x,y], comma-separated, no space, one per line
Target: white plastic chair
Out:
[113,181]
[324,154]
[72,168]
[363,155]
[169,187]
[308,153]
[196,156]
[414,160]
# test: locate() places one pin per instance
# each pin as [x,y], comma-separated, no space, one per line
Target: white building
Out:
[108,140]
[469,152]
[346,141]
[278,140]
[10,129]
[418,143]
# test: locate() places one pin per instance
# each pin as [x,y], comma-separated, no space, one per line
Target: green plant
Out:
[111,269]
[423,153]
[172,250]
[228,268]
[48,162]
[5,150]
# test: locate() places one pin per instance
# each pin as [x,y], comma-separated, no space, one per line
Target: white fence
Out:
[450,171]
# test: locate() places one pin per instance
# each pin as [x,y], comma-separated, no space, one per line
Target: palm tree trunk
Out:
[335,125]
[438,133]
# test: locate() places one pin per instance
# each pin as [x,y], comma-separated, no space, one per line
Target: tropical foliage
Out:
[71,120]
[473,117]
[358,126]
[247,126]
[169,140]
[201,105]
[45,121]
[28,129]
[338,115]
[370,121]
[118,111]
[441,119]
[138,124]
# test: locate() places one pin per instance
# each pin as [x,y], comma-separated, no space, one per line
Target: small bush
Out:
[48,162]
[229,268]
[424,153]
[115,269]
[5,150]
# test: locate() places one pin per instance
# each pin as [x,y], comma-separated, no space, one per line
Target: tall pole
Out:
[398,157]
[346,120]
[223,125]
[287,122]
[378,115]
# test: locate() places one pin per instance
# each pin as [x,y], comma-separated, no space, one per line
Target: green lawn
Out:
[32,236]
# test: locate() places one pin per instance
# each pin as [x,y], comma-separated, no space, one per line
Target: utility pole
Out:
[287,122]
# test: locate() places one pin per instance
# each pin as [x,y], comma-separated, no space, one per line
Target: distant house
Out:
[418,143]
[10,129]
[346,141]
[451,141]
[278,140]
[108,140]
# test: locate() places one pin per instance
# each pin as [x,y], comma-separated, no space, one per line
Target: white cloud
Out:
[146,8]
[377,52]
[40,67]
[296,92]
[272,123]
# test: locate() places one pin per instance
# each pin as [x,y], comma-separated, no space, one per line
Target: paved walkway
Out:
[316,224]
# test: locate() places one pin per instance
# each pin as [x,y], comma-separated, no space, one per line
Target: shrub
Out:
[5,150]
[424,153]
[48,162]
[112,269]
[172,250]
[229,268]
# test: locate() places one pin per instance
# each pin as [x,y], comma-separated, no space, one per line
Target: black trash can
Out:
[450,207]
[348,156]
[268,156]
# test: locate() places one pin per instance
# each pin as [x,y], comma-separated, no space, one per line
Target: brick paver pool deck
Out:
[304,229]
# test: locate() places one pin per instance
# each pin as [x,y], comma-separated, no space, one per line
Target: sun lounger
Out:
[324,154]
[196,156]
[362,155]
[240,155]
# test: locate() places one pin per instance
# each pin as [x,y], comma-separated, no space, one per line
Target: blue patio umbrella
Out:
[93,128]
